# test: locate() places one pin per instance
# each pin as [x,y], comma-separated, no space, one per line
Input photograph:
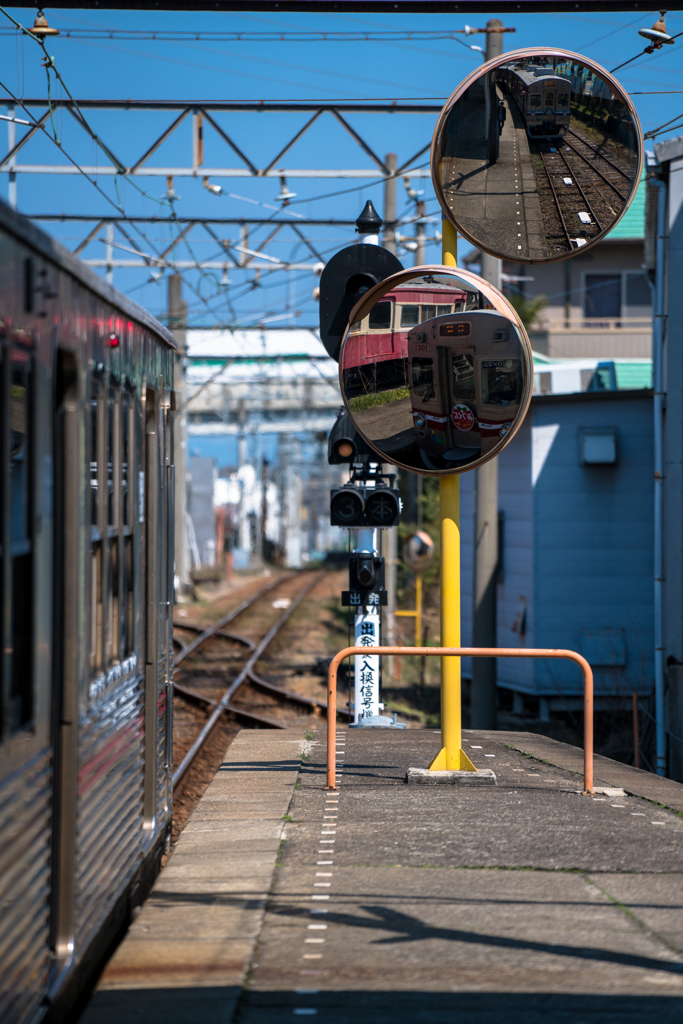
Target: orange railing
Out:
[464,652]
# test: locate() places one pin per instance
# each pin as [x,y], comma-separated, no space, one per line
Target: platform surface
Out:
[524,902]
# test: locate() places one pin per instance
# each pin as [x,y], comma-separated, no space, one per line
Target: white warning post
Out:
[366,682]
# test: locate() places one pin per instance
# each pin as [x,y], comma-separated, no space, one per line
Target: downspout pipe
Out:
[658,388]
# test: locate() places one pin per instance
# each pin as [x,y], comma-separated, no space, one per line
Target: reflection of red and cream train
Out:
[377,347]
[466,382]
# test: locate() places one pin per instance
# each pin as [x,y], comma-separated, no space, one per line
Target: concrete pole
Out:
[484,693]
[177,324]
[389,237]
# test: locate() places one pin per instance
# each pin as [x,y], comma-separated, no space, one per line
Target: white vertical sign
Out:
[366,682]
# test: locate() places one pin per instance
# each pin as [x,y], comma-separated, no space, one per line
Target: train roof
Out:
[537,75]
[27,232]
[413,286]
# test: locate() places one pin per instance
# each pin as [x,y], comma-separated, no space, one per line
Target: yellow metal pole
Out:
[418,611]
[451,757]
[449,244]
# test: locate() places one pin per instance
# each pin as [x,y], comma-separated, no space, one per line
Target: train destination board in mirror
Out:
[436,370]
[536,154]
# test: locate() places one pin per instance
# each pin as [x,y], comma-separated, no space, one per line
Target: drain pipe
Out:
[658,388]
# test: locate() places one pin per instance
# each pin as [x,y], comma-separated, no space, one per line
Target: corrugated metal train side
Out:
[86,578]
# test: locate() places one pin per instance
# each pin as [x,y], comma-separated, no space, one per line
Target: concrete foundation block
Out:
[425,777]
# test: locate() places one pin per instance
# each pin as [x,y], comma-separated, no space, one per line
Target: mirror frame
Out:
[499,302]
[531,51]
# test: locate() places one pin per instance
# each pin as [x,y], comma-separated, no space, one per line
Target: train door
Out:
[67,645]
[461,402]
[150,498]
[25,745]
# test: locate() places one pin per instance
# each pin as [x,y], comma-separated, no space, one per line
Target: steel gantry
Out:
[124,233]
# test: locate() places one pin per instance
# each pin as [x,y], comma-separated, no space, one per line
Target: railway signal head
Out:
[436,373]
[345,445]
[356,505]
[544,104]
[347,276]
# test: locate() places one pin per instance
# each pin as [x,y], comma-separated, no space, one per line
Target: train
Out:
[376,352]
[466,380]
[86,514]
[542,96]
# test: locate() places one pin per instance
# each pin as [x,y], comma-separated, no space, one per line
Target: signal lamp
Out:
[365,570]
[382,508]
[113,341]
[346,508]
[345,449]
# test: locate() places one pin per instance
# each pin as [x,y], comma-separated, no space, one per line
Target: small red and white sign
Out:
[463,417]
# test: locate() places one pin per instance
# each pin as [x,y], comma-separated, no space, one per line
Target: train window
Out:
[428,313]
[423,378]
[94,454]
[442,310]
[410,316]
[110,455]
[125,459]
[463,376]
[21,600]
[380,316]
[501,382]
[562,99]
[534,101]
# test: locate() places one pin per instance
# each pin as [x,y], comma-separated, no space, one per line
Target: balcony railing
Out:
[585,325]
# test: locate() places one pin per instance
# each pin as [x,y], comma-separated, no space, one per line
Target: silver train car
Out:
[543,98]
[86,555]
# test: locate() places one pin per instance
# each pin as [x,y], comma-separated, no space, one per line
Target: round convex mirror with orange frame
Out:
[537,154]
[436,370]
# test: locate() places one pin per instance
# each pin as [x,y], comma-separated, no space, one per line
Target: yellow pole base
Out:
[440,762]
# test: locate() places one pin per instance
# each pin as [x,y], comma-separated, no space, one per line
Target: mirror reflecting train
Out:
[436,370]
[537,154]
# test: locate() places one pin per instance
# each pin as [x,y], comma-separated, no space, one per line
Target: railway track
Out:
[581,190]
[217,682]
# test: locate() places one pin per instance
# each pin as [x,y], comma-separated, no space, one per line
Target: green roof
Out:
[633,375]
[632,224]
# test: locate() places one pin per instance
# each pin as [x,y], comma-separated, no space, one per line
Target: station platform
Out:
[495,200]
[388,902]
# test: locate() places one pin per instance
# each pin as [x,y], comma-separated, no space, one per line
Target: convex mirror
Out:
[536,154]
[436,370]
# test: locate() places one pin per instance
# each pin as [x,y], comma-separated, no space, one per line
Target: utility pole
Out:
[177,324]
[391,535]
[389,235]
[484,698]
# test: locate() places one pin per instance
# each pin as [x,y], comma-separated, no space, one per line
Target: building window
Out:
[611,300]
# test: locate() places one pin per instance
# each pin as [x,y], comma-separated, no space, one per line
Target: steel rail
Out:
[222,705]
[465,652]
[212,630]
[583,194]
[235,709]
[594,169]
[602,156]
[221,632]
[557,201]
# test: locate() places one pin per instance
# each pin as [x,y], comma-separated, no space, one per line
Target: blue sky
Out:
[277,70]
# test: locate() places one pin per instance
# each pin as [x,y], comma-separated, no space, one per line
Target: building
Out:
[599,303]
[576,568]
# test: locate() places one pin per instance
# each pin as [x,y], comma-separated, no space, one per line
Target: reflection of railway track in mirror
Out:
[219,682]
[572,188]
